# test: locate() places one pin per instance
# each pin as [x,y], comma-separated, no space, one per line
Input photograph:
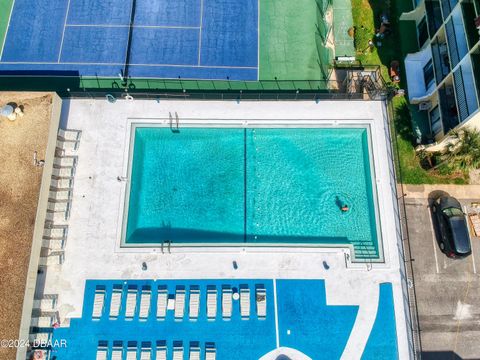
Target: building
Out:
[444,74]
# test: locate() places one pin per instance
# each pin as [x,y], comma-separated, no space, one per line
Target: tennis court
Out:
[188,39]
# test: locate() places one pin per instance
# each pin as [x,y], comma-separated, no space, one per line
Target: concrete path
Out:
[457,191]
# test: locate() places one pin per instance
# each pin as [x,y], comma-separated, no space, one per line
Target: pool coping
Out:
[173,123]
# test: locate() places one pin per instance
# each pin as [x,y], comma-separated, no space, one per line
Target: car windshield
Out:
[451,212]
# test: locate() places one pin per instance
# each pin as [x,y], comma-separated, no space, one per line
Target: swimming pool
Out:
[250,187]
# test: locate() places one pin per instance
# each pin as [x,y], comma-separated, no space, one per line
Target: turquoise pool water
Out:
[253,186]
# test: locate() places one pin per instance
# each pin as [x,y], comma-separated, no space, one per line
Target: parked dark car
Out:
[454,238]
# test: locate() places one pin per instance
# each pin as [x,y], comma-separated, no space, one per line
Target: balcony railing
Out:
[434,15]
[448,107]
[440,60]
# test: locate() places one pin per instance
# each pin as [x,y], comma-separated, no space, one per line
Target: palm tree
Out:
[463,151]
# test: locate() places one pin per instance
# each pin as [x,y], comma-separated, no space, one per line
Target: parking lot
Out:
[448,290]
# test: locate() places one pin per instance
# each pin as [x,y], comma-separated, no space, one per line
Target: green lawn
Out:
[5,9]
[366,18]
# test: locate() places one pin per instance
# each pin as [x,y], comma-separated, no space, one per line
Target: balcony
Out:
[434,15]
[476,70]
[455,33]
[447,7]
[420,75]
[465,90]
[448,106]
[441,60]
[469,15]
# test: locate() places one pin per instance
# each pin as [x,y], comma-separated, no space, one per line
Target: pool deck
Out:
[92,250]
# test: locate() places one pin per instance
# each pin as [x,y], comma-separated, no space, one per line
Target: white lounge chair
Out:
[261,301]
[146,353]
[145,297]
[117,352]
[102,352]
[63,173]
[43,321]
[178,352]
[69,135]
[56,232]
[56,218]
[59,206]
[61,184]
[40,338]
[245,302]
[211,303]
[179,311]
[65,146]
[131,304]
[194,303]
[210,352]
[226,303]
[65,162]
[53,244]
[45,304]
[162,299]
[98,303]
[194,353]
[161,353]
[60,195]
[115,302]
[54,258]
[132,352]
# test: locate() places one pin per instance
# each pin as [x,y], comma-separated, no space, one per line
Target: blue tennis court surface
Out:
[191,39]
[127,319]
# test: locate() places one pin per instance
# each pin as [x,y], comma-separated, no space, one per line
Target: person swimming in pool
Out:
[345,208]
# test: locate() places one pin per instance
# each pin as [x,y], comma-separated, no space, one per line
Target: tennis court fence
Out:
[348,83]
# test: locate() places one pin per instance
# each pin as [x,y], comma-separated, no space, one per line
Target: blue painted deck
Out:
[305,323]
[191,39]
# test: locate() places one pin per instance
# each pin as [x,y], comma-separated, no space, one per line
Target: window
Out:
[422,32]
[436,124]
[428,74]
[451,212]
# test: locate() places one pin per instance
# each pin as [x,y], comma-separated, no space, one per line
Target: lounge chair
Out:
[226,302]
[43,320]
[145,297]
[162,299]
[45,304]
[146,352]
[40,338]
[65,161]
[115,301]
[210,351]
[194,353]
[244,302]
[132,350]
[53,258]
[53,244]
[65,146]
[261,301]
[55,232]
[61,184]
[179,311]
[98,302]
[69,135]
[194,302]
[211,302]
[131,304]
[161,351]
[102,350]
[117,350]
[177,350]
[60,195]
[63,173]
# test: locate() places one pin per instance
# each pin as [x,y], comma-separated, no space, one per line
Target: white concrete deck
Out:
[92,250]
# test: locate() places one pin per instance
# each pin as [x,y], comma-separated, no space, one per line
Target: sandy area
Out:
[19,188]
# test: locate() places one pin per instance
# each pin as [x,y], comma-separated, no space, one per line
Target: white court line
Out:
[8,28]
[63,33]
[277,339]
[115,64]
[135,26]
[433,238]
[258,40]
[200,34]
[471,242]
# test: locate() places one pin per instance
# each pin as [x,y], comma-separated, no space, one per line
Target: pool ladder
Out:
[174,123]
[169,244]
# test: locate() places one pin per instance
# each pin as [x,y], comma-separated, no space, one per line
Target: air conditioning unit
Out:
[424,106]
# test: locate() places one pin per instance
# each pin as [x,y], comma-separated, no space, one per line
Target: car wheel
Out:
[442,246]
